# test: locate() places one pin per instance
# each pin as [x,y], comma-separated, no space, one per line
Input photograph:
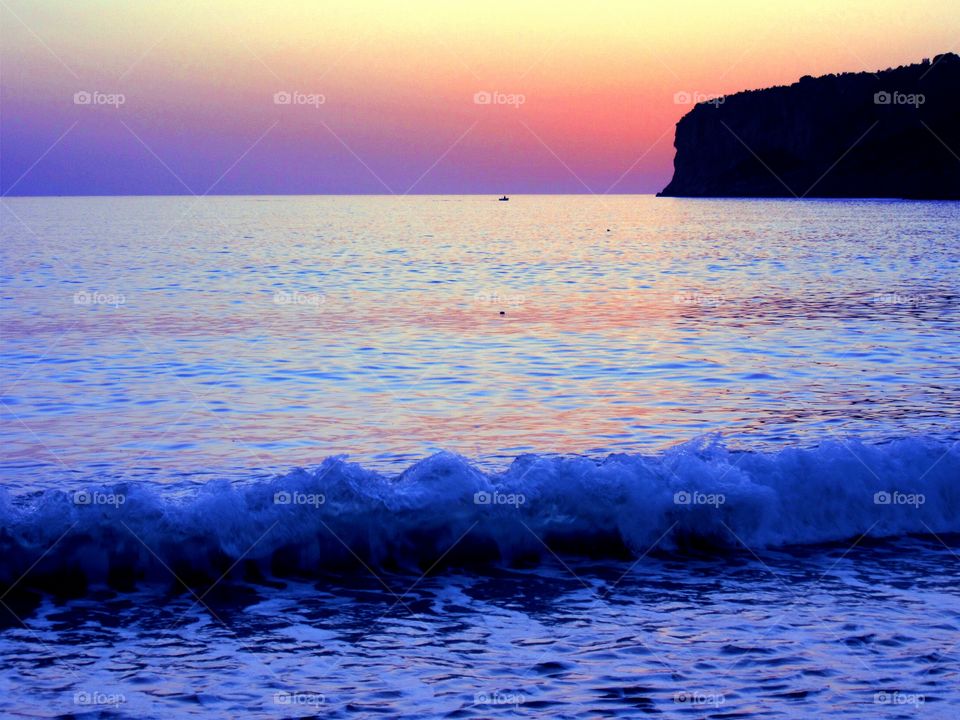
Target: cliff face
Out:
[895,133]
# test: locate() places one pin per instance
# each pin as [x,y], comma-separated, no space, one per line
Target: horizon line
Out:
[357,194]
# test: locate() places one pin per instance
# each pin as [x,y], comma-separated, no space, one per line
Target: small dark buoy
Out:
[502,312]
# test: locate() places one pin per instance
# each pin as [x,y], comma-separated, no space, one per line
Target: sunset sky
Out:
[182,98]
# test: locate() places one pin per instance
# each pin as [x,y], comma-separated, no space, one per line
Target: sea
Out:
[452,457]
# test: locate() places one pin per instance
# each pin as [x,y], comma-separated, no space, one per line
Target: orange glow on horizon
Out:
[598,81]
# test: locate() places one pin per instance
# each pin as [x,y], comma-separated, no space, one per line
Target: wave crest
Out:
[443,509]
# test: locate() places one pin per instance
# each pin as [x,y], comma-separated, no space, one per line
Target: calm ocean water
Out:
[562,457]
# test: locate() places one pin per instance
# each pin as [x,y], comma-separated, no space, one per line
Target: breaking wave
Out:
[444,511]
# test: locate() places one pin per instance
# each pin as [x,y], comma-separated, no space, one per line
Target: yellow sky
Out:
[598,77]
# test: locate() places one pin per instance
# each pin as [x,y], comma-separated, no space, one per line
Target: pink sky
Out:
[383,96]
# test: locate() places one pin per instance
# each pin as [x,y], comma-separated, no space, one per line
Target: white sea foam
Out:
[699,494]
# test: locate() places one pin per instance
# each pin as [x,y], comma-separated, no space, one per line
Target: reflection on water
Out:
[163,336]
[173,339]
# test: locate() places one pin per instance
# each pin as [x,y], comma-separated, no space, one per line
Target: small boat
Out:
[504,199]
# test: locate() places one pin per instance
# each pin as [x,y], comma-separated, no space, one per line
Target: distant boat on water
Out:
[504,199]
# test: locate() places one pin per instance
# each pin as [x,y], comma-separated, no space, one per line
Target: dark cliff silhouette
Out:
[891,134]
